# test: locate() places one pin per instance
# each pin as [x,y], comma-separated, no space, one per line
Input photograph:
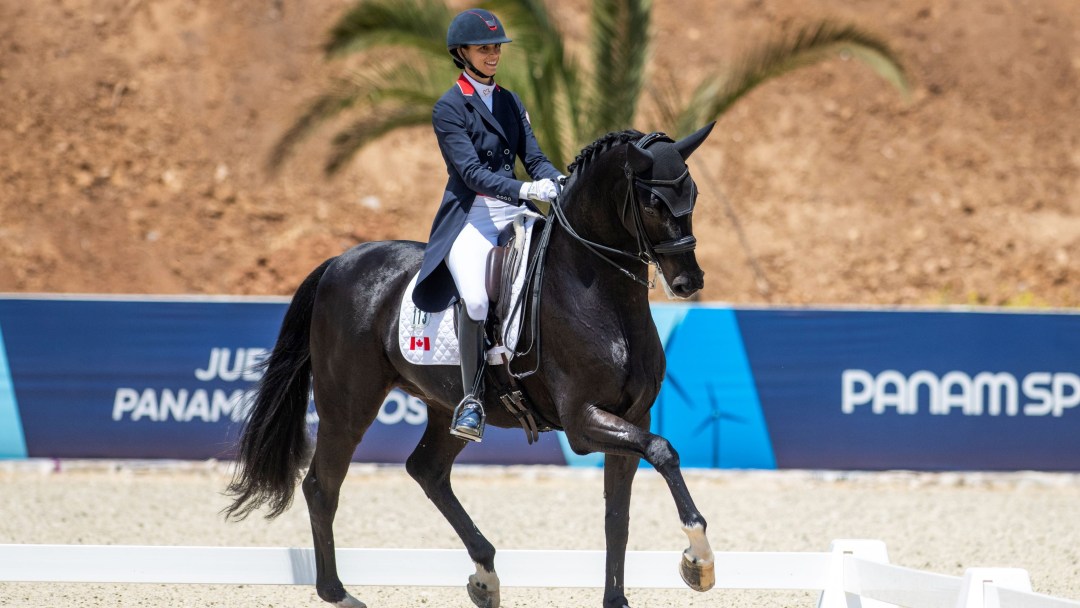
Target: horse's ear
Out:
[640,160]
[688,144]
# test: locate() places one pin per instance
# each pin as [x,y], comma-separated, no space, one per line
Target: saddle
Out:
[503,268]
[430,338]
[514,278]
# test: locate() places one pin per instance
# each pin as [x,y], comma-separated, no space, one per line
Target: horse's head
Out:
[660,206]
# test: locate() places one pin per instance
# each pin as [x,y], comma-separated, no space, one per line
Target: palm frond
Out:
[363,131]
[570,104]
[670,105]
[539,68]
[561,133]
[620,45]
[340,96]
[810,45]
[695,110]
[420,24]
[402,82]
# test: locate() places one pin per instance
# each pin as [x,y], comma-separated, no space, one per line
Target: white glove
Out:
[543,190]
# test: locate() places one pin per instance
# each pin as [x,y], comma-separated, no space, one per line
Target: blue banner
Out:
[167,379]
[917,390]
[745,388]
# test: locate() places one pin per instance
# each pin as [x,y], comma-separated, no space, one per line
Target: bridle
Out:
[647,251]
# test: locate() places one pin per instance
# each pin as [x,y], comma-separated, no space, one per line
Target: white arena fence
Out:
[853,573]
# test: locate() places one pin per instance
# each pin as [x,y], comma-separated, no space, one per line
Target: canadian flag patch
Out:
[423,343]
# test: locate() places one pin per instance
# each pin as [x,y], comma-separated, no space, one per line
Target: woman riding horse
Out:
[482,128]
[597,357]
[598,361]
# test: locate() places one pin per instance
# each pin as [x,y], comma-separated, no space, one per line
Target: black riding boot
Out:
[469,414]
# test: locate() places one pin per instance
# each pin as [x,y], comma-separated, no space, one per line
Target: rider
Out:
[481,128]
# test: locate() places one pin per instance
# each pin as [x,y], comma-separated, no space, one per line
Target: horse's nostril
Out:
[683,286]
[687,284]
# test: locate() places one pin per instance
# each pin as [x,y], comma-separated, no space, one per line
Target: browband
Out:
[651,138]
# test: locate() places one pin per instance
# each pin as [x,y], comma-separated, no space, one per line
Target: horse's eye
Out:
[652,206]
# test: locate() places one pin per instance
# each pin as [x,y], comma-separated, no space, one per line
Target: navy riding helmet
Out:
[472,27]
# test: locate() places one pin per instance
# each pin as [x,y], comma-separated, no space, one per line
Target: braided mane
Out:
[603,144]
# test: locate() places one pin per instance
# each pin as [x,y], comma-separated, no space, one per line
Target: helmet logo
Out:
[491,24]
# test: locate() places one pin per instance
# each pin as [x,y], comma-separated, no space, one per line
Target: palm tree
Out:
[405,69]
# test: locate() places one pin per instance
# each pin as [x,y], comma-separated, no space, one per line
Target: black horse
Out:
[599,362]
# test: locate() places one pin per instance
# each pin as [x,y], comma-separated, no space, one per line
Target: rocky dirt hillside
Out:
[134,137]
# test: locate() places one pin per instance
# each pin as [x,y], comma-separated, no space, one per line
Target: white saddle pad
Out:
[431,338]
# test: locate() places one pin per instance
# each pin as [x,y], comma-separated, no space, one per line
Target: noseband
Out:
[647,251]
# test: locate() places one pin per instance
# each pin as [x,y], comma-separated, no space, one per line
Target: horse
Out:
[596,367]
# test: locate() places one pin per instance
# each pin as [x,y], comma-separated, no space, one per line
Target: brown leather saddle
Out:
[504,265]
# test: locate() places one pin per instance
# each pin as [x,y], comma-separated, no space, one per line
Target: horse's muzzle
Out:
[688,283]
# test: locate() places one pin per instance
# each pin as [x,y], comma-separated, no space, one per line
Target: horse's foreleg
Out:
[430,465]
[618,478]
[600,431]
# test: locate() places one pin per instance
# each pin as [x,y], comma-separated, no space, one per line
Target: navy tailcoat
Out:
[479,147]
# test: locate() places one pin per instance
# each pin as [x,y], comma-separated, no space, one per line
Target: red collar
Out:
[466,86]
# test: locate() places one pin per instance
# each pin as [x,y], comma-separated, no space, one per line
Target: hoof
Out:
[350,602]
[481,594]
[698,575]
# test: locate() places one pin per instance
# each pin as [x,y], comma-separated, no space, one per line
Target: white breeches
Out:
[467,259]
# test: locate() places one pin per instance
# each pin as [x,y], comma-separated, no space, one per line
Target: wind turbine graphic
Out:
[714,418]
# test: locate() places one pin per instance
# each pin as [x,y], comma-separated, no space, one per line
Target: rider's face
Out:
[485,57]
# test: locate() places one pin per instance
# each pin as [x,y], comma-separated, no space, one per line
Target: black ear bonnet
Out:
[667,177]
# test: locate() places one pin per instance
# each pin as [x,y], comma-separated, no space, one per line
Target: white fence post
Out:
[834,595]
[973,589]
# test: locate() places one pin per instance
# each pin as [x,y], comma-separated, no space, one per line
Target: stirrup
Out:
[459,428]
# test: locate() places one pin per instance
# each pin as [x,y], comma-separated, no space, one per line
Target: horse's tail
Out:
[274,443]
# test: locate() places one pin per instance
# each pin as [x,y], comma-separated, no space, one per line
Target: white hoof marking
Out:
[700,551]
[488,580]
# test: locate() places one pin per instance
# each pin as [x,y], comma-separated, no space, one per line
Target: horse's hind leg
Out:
[341,427]
[430,465]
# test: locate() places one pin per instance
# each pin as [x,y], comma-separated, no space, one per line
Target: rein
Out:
[598,249]
[646,254]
